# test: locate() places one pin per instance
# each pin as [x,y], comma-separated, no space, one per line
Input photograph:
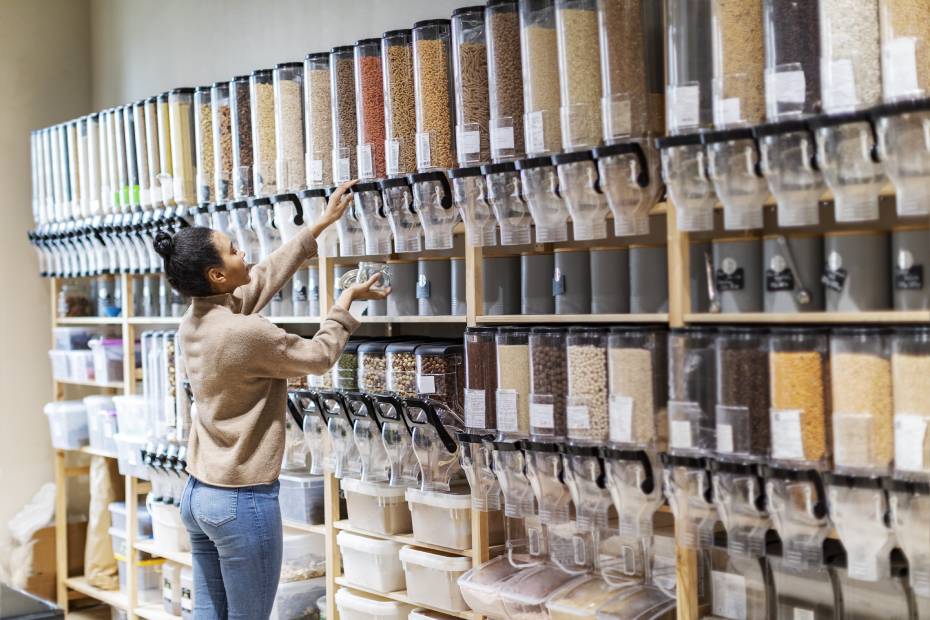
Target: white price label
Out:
[621,418]
[187,600]
[861,563]
[799,613]
[167,592]
[680,434]
[910,437]
[426,384]
[899,67]
[474,408]
[508,420]
[727,111]
[365,163]
[729,595]
[787,440]
[685,105]
[393,156]
[316,170]
[535,132]
[108,430]
[469,144]
[620,115]
[842,90]
[578,417]
[343,169]
[542,415]
[724,438]
[787,86]
[424,158]
[502,138]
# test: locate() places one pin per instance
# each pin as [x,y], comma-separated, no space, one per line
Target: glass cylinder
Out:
[181,113]
[850,57]
[792,58]
[83,203]
[799,380]
[240,118]
[905,39]
[369,108]
[480,378]
[152,151]
[580,73]
[539,53]
[470,62]
[290,168]
[166,161]
[513,381]
[432,72]
[203,132]
[400,121]
[139,124]
[691,391]
[261,96]
[586,408]
[860,377]
[344,125]
[739,91]
[505,74]
[122,164]
[742,414]
[910,362]
[688,95]
[93,165]
[318,115]
[638,387]
[221,113]
[548,382]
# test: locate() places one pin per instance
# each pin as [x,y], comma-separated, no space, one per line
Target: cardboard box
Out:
[43,579]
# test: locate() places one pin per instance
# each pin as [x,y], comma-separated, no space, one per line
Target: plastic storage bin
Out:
[148,579]
[101,423]
[108,359]
[72,338]
[525,596]
[428,614]
[294,599]
[67,422]
[59,360]
[432,578]
[167,529]
[360,606]
[131,415]
[129,456]
[143,518]
[442,519]
[301,497]
[171,588]
[371,563]
[302,558]
[376,507]
[80,366]
[481,586]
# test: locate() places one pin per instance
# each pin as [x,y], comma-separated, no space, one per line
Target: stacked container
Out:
[240,114]
[203,135]
[470,63]
[318,116]
[289,125]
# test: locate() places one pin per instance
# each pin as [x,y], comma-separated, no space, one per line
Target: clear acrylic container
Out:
[788,161]
[476,460]
[799,380]
[369,112]
[402,368]
[739,50]
[433,84]
[860,377]
[688,94]
[905,154]
[240,115]
[689,489]
[481,586]
[858,509]
[74,179]
[346,459]
[742,412]
[513,381]
[579,72]
[432,196]
[480,379]
[638,387]
[692,391]
[505,194]
[540,181]
[318,115]
[470,63]
[203,144]
[539,55]
[469,193]
[221,113]
[910,357]
[851,76]
[404,221]
[739,587]
[433,427]
[586,414]
[803,592]
[123,198]
[684,168]
[734,164]
[579,183]
[909,504]
[183,164]
[548,382]
[632,182]
[290,168]
[505,80]
[372,366]
[737,489]
[349,230]
[141,158]
[397,440]
[792,59]
[400,121]
[366,433]
[261,97]
[904,39]
[525,595]
[864,600]
[441,374]
[369,208]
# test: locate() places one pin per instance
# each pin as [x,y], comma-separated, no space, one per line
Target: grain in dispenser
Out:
[318,116]
[369,101]
[742,414]
[470,64]
[400,121]
[290,170]
[638,387]
[344,121]
[240,117]
[143,178]
[203,135]
[432,64]
[587,419]
[505,75]
[221,112]
[513,381]
[910,357]
[261,95]
[183,165]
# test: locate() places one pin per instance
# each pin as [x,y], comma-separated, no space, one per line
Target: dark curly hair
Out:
[188,254]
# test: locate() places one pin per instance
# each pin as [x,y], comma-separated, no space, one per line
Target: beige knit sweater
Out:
[238,363]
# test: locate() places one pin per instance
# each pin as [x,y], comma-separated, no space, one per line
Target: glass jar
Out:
[441,374]
[692,391]
[548,382]
[400,121]
[850,52]
[288,84]
[432,65]
[203,137]
[470,63]
[222,142]
[910,359]
[539,53]
[505,74]
[638,387]
[240,116]
[739,89]
[586,409]
[345,130]
[481,378]
[369,102]
[183,165]
[261,96]
[792,59]
[319,115]
[688,95]
[513,381]
[580,73]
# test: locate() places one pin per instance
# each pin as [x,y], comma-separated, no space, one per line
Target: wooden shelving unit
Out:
[401,596]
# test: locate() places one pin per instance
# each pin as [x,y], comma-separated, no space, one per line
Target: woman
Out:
[238,363]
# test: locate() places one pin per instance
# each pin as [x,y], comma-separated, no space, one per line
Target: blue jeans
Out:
[237,540]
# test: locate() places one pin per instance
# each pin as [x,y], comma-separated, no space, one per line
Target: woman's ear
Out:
[216,277]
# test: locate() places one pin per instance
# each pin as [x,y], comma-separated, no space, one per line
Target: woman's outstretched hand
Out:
[339,201]
[363,291]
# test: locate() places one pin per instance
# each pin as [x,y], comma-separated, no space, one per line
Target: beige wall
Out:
[44,79]
[143,47]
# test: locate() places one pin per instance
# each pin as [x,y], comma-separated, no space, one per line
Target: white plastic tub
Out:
[101,422]
[481,586]
[297,599]
[370,562]
[187,593]
[60,368]
[80,365]
[358,606]
[132,415]
[432,578]
[108,359]
[167,529]
[129,456]
[67,424]
[442,519]
[143,518]
[171,588]
[376,508]
[301,498]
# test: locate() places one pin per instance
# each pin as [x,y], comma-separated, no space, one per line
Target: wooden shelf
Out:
[109,385]
[87,320]
[294,320]
[154,612]
[95,452]
[303,527]
[404,539]
[150,547]
[114,598]
[889,316]
[154,320]
[508,319]
[401,596]
[412,319]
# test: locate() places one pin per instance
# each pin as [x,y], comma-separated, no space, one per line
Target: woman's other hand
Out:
[339,201]
[364,291]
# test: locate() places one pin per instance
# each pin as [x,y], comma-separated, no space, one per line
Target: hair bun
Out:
[164,244]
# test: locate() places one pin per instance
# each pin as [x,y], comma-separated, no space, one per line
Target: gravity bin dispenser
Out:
[909,504]
[540,180]
[580,185]
[432,200]
[789,163]
[505,194]
[403,468]
[689,490]
[366,430]
[904,146]
[574,546]
[798,506]
[545,470]
[469,193]
[525,535]
[316,433]
[349,230]
[734,165]
[288,215]
[684,168]
[631,181]
[402,217]
[313,203]
[376,228]
[246,239]
[858,507]
[346,459]
[433,428]
[476,461]
[739,494]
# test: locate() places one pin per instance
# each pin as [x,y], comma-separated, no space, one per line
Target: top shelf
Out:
[87,320]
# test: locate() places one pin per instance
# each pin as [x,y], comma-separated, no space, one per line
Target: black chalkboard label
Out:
[558,285]
[733,281]
[910,279]
[423,289]
[834,279]
[779,280]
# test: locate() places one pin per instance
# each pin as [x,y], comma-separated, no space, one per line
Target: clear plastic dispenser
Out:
[580,185]
[433,427]
[505,194]
[344,121]
[909,504]
[688,488]
[261,97]
[349,229]
[434,99]
[183,164]
[903,128]
[476,461]
[316,433]
[370,210]
[240,120]
[347,462]
[858,508]
[246,239]
[399,108]
[313,203]
[366,430]
[288,215]
[739,494]
[469,193]
[734,166]
[289,125]
[798,506]
[803,592]
[684,168]
[203,135]
[631,180]
[470,64]
[262,220]
[586,479]
[403,219]
[874,600]
[319,120]
[432,200]
[395,435]
[692,395]
[369,108]
[738,586]
[545,473]
[848,155]
[221,113]
[789,163]
[540,180]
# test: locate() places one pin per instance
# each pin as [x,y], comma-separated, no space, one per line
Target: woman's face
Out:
[233,272]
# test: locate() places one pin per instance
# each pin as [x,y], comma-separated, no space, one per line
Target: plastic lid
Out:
[481,330]
[301,479]
[317,56]
[431,22]
[434,560]
[369,604]
[501,3]
[261,72]
[203,89]
[435,499]
[289,65]
[371,41]
[570,158]
[341,49]
[440,348]
[375,346]
[688,139]
[467,9]
[406,346]
[402,32]
[464,172]
[184,90]
[365,544]
[351,485]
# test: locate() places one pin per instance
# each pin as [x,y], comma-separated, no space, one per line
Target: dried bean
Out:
[587,393]
[549,383]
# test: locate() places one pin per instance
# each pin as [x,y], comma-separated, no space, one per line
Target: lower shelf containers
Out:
[481,586]
[301,498]
[371,563]
[294,598]
[442,519]
[358,606]
[376,508]
[432,578]
[67,423]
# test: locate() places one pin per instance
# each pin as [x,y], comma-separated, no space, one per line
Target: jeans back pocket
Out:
[214,506]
